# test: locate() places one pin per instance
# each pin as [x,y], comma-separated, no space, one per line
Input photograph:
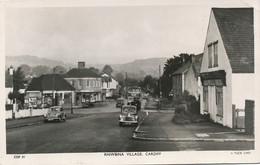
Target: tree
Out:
[107,69]
[41,69]
[60,69]
[27,70]
[95,70]
[120,78]
[171,66]
[18,80]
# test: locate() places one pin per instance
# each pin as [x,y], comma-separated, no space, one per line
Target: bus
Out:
[134,91]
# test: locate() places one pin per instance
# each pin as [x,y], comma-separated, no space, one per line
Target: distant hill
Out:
[149,66]
[32,61]
[140,67]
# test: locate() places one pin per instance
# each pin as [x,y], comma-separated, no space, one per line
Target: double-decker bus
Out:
[134,91]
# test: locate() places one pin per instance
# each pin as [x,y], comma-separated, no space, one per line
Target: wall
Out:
[26,113]
[243,87]
[191,83]
[213,34]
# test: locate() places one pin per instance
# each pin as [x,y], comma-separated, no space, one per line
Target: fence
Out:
[26,113]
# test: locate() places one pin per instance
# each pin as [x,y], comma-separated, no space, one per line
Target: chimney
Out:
[192,58]
[81,64]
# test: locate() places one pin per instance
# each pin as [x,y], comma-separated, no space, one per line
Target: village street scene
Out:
[197,101]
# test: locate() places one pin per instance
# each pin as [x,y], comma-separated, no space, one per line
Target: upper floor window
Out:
[87,83]
[80,82]
[72,82]
[213,54]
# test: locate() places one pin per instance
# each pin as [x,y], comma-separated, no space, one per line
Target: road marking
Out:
[136,130]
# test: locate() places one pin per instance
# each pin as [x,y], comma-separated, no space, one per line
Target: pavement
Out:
[157,126]
[77,112]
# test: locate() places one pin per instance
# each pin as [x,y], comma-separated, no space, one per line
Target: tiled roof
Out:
[236,26]
[81,73]
[182,69]
[49,82]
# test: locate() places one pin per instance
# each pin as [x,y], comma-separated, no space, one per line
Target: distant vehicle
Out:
[136,102]
[128,115]
[55,113]
[134,91]
[130,99]
[88,104]
[120,102]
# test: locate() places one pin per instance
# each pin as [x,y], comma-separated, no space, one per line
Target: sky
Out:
[107,35]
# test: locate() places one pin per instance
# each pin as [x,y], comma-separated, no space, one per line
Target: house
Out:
[8,84]
[47,90]
[86,82]
[109,85]
[187,77]
[227,70]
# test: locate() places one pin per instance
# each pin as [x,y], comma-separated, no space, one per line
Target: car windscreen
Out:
[54,109]
[131,110]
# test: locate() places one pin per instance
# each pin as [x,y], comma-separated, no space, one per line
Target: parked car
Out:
[128,115]
[55,113]
[120,102]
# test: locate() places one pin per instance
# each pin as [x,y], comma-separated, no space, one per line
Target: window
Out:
[210,55]
[87,83]
[213,54]
[72,82]
[219,100]
[205,98]
[80,82]
[215,47]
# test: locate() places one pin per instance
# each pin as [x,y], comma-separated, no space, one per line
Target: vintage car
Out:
[55,113]
[120,102]
[128,115]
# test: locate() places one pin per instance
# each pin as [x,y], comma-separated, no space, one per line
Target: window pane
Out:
[210,55]
[216,54]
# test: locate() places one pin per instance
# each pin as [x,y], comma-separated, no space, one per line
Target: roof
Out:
[236,26]
[103,75]
[182,69]
[81,73]
[49,82]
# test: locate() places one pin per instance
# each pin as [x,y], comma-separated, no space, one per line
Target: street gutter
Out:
[192,139]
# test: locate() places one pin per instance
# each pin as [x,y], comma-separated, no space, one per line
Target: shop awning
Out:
[215,78]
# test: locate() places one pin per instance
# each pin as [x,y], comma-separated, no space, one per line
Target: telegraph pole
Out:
[160,87]
[125,84]
[160,84]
